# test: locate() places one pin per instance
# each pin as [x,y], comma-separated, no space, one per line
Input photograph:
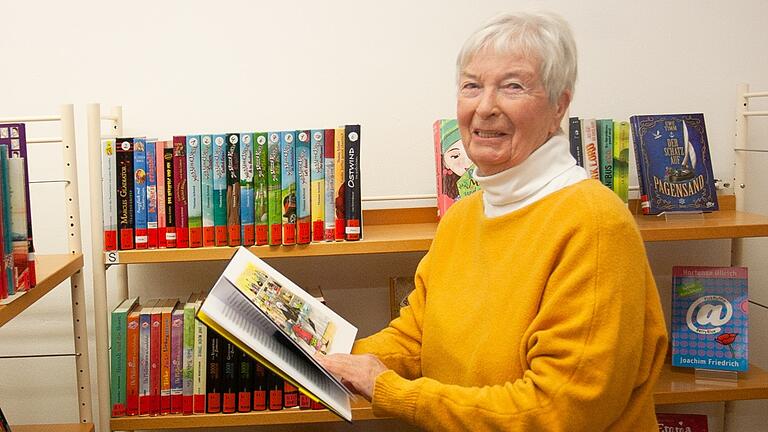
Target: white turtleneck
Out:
[548,169]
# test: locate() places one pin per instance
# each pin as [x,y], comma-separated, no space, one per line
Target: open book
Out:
[280,325]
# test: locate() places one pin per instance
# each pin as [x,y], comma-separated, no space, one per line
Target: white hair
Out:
[545,36]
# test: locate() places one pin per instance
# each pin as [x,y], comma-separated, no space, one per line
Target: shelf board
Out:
[68,427]
[51,271]
[716,225]
[675,386]
[678,386]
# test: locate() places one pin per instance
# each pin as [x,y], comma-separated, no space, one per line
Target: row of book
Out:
[602,148]
[261,188]
[17,258]
[164,361]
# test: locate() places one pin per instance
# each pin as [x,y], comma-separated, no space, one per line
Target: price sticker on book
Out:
[112,257]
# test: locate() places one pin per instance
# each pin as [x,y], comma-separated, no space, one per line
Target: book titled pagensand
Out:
[281,326]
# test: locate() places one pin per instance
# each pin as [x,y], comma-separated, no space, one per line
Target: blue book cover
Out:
[303,186]
[673,163]
[140,192]
[206,188]
[710,318]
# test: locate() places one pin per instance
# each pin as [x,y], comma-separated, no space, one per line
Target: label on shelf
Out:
[112,257]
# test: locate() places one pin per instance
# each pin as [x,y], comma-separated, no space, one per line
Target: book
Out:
[125,193]
[274,189]
[140,193]
[574,138]
[180,199]
[194,192]
[118,333]
[244,381]
[213,373]
[281,326]
[146,396]
[710,317]
[177,358]
[17,185]
[352,199]
[170,195]
[339,155]
[682,422]
[188,355]
[330,171]
[317,176]
[288,185]
[233,189]
[621,160]
[220,189]
[247,198]
[589,148]
[160,194]
[152,202]
[454,169]
[199,371]
[260,187]
[206,188]
[132,362]
[605,150]
[303,151]
[109,194]
[7,245]
[674,165]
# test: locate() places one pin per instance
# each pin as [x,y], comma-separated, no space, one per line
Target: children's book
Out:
[280,325]
[710,318]
[454,169]
[674,164]
[352,201]
[682,422]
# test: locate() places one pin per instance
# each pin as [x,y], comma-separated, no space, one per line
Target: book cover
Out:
[621,160]
[152,204]
[710,317]
[140,193]
[589,148]
[682,422]
[206,190]
[170,195]
[125,193]
[454,169]
[339,189]
[605,150]
[674,163]
[303,187]
[352,200]
[317,177]
[194,192]
[180,199]
[132,362]
[233,189]
[280,325]
[274,189]
[160,183]
[188,356]
[118,349]
[109,194]
[574,138]
[330,173]
[247,199]
[177,359]
[288,185]
[17,185]
[220,189]
[260,187]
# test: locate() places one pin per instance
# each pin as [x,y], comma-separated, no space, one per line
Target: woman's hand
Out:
[357,372]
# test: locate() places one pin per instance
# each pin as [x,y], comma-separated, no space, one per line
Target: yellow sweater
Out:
[543,319]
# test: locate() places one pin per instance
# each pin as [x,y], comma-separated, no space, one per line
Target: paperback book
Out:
[281,326]
[710,318]
[682,422]
[454,169]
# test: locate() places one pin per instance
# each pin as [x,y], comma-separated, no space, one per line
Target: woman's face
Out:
[503,110]
[456,160]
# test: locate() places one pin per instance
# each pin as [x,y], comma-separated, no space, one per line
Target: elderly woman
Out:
[535,308]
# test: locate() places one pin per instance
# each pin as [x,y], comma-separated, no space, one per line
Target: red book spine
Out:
[305,402]
[198,403]
[304,232]
[290,395]
[262,232]
[317,405]
[259,402]
[132,365]
[213,373]
[277,234]
[180,191]
[156,347]
[274,391]
[110,240]
[318,231]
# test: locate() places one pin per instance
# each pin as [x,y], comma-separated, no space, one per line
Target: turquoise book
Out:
[710,318]
[220,189]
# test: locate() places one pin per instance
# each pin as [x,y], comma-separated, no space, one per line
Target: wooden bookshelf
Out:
[678,386]
[51,271]
[67,427]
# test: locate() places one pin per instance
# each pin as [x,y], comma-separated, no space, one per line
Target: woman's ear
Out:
[561,109]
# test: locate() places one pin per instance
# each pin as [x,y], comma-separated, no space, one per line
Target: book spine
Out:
[166,334]
[352,204]
[170,195]
[206,186]
[199,367]
[125,193]
[220,189]
[288,185]
[244,381]
[330,168]
[443,201]
[305,402]
[109,194]
[339,156]
[259,386]
[10,282]
[290,395]
[317,162]
[274,189]
[303,187]
[140,192]
[132,364]
[188,359]
[213,377]
[160,166]
[605,149]
[229,375]
[16,187]
[589,147]
[145,362]
[621,160]
[152,205]
[574,137]
[260,188]
[274,391]
[156,357]
[247,227]
[177,359]
[18,149]
[233,189]
[194,193]
[180,191]
[117,355]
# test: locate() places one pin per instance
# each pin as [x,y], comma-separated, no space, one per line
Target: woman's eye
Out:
[469,88]
[512,86]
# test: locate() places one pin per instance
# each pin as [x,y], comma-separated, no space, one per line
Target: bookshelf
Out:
[52,270]
[386,231]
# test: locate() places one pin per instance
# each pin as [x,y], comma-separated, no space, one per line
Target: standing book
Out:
[710,317]
[280,325]
[274,190]
[352,199]
[260,187]
[194,192]
[303,187]
[233,189]
[109,193]
[181,208]
[140,193]
[454,169]
[674,165]
[317,162]
[682,422]
[206,189]
[118,356]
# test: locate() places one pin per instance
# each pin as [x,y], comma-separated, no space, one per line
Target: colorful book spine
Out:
[118,333]
[166,336]
[7,246]
[589,148]
[109,194]
[317,176]
[303,152]
[181,203]
[288,185]
[259,401]
[188,360]
[213,376]
[621,160]
[247,227]
[338,196]
[220,189]
[244,381]
[290,395]
[152,204]
[145,358]
[156,358]
[132,363]
[125,193]
[233,189]
[18,227]
[330,168]
[274,189]
[305,402]
[160,166]
[170,195]
[605,150]
[352,201]
[140,192]
[260,187]
[177,359]
[199,367]
[194,194]
[206,189]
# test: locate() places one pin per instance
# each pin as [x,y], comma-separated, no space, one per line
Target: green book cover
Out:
[621,160]
[188,350]
[274,190]
[260,187]
[605,149]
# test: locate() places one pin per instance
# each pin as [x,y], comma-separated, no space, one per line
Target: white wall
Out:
[181,67]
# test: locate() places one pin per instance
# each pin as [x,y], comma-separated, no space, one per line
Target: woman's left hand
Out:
[357,372]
